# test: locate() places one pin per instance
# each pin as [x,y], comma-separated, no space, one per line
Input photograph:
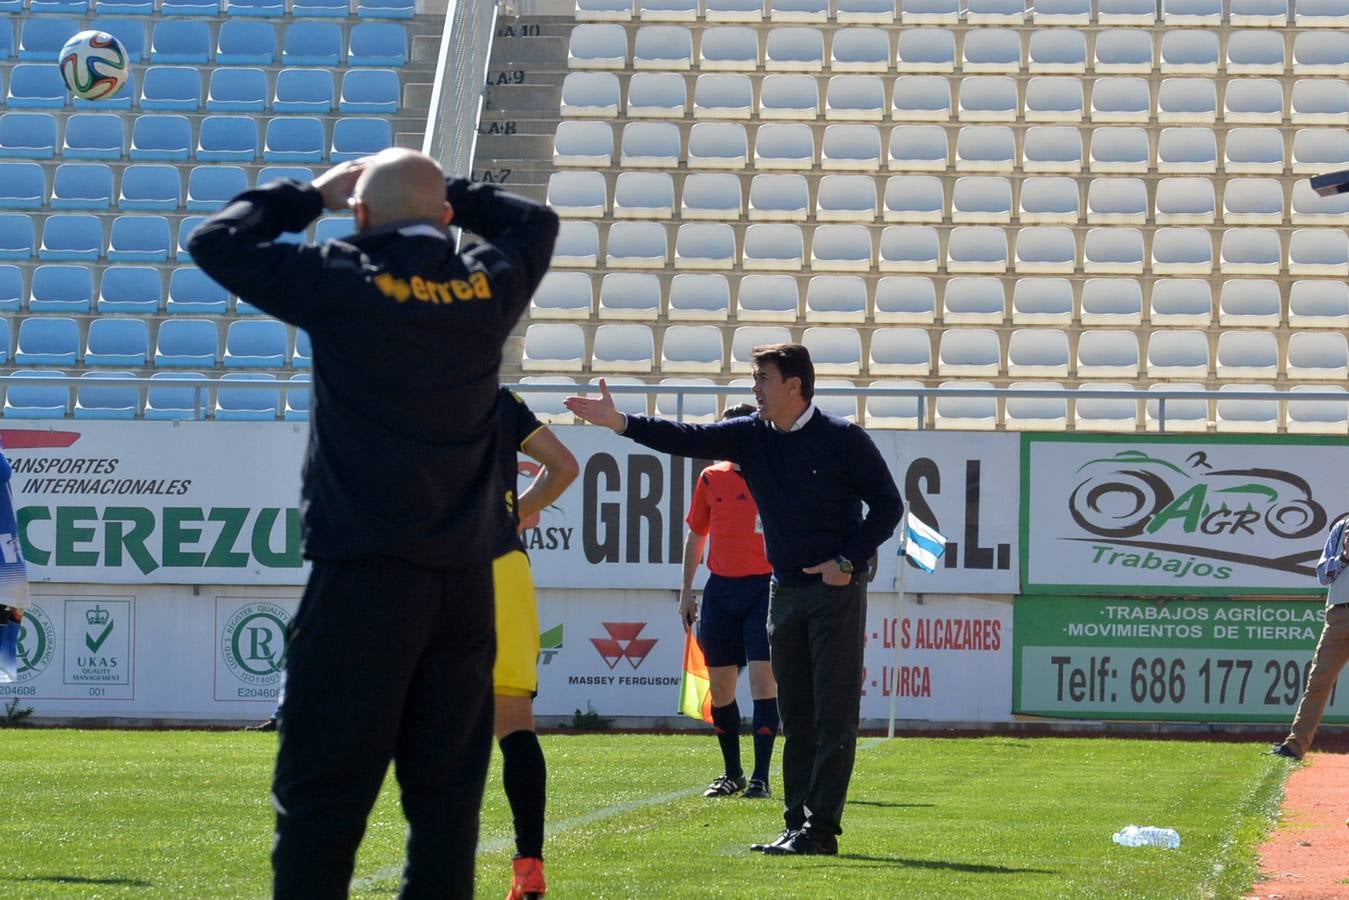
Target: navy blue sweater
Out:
[809,484]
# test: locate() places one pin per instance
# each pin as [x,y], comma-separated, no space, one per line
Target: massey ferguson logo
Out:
[623,643]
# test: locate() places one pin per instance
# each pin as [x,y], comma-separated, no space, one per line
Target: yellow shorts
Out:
[516,671]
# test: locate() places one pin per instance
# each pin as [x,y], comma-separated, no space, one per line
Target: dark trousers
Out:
[816,634]
[385,661]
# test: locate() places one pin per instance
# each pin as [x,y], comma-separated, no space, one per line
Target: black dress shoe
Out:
[1285,751]
[782,838]
[804,843]
[269,725]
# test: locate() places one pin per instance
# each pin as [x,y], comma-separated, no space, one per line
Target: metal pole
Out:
[899,617]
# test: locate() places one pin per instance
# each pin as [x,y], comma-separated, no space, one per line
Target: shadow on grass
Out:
[77,879]
[905,863]
[888,805]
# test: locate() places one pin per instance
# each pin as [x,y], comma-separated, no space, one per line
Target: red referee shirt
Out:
[723,509]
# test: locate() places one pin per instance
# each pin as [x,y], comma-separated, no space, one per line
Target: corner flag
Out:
[923,544]
[695,687]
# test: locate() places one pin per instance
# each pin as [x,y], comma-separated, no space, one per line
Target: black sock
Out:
[726,721]
[525,778]
[765,732]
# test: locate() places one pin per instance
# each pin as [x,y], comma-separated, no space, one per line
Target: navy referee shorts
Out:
[733,623]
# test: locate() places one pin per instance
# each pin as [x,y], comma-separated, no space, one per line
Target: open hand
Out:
[337,183]
[830,573]
[598,410]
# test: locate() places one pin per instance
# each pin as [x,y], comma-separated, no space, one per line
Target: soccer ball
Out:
[94,65]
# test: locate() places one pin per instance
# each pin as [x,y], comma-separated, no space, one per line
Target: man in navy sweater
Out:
[809,473]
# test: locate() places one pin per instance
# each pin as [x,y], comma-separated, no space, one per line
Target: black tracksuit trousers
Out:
[386,660]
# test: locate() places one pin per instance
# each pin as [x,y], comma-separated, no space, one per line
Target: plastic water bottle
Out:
[1147,836]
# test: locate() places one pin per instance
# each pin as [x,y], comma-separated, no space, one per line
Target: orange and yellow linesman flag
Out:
[695,687]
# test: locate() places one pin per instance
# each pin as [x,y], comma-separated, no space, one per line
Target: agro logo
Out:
[623,643]
[253,643]
[37,643]
[1132,495]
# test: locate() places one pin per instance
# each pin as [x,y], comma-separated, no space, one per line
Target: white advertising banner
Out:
[621,654]
[1222,515]
[159,502]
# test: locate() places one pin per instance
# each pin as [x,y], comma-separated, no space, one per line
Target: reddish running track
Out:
[1307,855]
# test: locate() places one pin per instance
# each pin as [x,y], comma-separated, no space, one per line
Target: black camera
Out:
[1331,183]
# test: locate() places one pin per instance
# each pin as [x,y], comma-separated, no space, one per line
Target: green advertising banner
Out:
[1176,660]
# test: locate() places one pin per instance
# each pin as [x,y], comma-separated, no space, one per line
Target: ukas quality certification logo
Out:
[253,649]
[98,640]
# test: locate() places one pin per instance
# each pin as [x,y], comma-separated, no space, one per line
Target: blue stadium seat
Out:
[386,9]
[185,229]
[354,138]
[294,139]
[228,139]
[256,8]
[179,41]
[151,187]
[71,236]
[6,39]
[42,37]
[303,91]
[297,400]
[370,91]
[130,289]
[175,402]
[36,86]
[256,344]
[240,404]
[190,8]
[11,288]
[245,43]
[193,292]
[302,174]
[303,357]
[125,7]
[240,89]
[161,136]
[37,400]
[93,136]
[171,88]
[16,236]
[48,341]
[28,135]
[209,187]
[139,238]
[11,6]
[104,398]
[61,289]
[245,309]
[339,9]
[114,341]
[58,7]
[186,343]
[378,44]
[6,342]
[81,186]
[331,228]
[130,32]
[312,44]
[22,185]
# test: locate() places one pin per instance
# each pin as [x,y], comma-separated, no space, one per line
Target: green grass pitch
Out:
[186,814]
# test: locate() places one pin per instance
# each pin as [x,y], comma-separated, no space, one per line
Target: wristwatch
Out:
[844,565]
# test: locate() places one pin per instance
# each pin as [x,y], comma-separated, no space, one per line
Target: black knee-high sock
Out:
[726,721]
[525,778]
[765,725]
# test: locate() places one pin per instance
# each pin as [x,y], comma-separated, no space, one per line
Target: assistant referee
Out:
[390,655]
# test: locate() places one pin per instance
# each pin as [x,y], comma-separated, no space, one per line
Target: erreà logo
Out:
[623,643]
[253,643]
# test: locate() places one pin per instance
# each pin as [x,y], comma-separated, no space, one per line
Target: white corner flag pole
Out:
[899,616]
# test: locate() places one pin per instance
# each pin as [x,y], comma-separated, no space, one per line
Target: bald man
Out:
[390,655]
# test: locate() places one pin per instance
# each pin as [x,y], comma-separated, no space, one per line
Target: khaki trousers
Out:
[1332,651]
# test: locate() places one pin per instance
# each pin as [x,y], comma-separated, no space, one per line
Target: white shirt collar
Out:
[801,420]
[423,230]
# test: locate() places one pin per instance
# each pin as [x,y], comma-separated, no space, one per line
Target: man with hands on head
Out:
[810,473]
[390,654]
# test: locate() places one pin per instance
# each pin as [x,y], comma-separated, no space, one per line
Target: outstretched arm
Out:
[722,440]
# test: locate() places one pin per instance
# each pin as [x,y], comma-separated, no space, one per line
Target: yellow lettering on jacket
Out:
[477,287]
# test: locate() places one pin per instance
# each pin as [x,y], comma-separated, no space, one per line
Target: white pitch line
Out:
[555,828]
